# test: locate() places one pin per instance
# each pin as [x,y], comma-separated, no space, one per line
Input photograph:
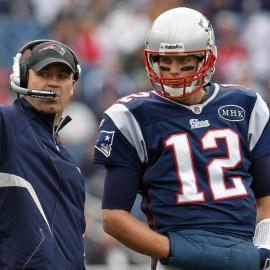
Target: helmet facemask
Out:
[181,86]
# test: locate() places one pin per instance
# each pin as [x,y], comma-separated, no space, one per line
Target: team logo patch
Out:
[104,142]
[232,113]
[56,47]
[195,123]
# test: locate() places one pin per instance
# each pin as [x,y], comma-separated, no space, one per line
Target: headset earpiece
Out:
[23,75]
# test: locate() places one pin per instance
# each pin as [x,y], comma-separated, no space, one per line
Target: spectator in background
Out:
[16,8]
[232,53]
[87,41]
[256,37]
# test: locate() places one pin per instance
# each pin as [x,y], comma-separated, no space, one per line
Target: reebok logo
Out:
[178,47]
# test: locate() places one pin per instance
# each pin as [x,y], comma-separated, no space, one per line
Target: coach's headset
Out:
[19,78]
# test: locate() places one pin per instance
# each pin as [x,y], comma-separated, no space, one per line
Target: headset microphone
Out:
[45,94]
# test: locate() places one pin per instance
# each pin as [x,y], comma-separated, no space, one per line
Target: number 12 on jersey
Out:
[215,169]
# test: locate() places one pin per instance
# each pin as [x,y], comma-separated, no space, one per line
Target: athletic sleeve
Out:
[260,170]
[120,188]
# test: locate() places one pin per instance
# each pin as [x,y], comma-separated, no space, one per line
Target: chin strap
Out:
[177,91]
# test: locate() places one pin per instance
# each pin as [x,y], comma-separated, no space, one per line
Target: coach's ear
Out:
[72,88]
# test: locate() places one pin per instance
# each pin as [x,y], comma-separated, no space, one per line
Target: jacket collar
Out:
[45,118]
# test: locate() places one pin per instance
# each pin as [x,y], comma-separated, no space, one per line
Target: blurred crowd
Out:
[108,38]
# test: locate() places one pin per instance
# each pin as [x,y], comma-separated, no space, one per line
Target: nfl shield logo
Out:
[197,109]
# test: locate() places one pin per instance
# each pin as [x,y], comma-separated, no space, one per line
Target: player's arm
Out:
[261,237]
[120,190]
[263,208]
[260,171]
[134,234]
[124,168]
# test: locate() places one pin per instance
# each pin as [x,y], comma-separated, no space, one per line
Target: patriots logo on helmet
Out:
[206,25]
[56,47]
[104,142]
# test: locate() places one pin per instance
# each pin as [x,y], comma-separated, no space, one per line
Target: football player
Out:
[198,153]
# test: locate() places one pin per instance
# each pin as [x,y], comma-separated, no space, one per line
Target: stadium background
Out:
[108,38]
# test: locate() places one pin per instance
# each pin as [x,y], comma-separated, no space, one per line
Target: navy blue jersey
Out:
[193,161]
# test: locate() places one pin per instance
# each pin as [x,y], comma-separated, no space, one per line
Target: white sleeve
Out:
[258,120]
[261,237]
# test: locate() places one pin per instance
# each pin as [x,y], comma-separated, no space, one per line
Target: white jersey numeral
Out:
[215,169]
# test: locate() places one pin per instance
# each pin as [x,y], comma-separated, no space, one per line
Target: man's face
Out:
[56,77]
[177,66]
